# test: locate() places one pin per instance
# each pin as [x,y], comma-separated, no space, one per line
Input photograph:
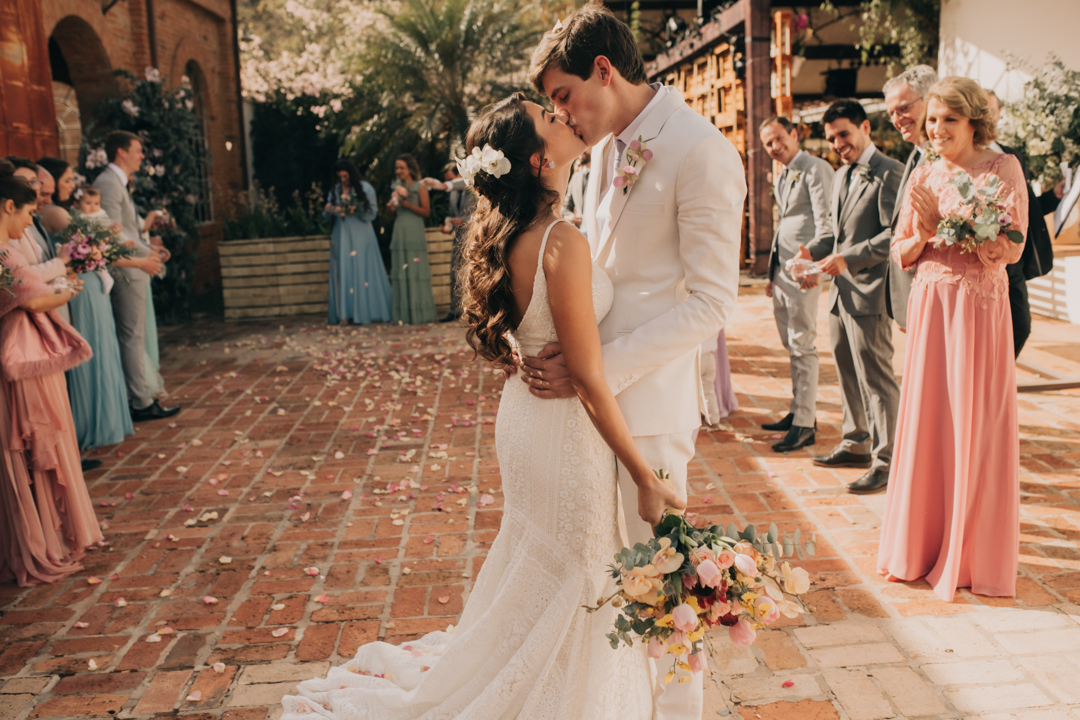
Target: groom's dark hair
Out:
[586,34]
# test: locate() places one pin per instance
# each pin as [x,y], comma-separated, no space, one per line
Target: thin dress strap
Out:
[543,244]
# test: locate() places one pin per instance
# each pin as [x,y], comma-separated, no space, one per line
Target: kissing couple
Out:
[607,331]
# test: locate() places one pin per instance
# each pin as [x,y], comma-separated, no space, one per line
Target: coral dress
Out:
[46,517]
[952,508]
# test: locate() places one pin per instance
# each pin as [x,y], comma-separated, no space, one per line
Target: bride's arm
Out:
[568,268]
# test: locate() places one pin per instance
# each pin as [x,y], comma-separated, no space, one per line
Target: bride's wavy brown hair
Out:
[505,208]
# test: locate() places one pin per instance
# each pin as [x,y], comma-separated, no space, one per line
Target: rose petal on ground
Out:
[165,593]
[153,638]
[195,696]
[224,559]
[788,683]
[93,580]
[81,625]
[347,495]
[219,667]
[92,664]
[312,571]
[324,598]
[444,599]
[278,606]
[339,455]
[279,632]
[120,602]
[210,600]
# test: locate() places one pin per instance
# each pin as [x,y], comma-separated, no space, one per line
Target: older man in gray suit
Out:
[124,151]
[864,195]
[803,192]
[905,98]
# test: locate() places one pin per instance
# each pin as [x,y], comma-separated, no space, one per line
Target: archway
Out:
[77,59]
[196,81]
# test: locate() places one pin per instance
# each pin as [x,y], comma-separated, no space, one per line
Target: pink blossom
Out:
[646,155]
[634,145]
[689,581]
[656,648]
[619,182]
[629,170]
[725,559]
[741,633]
[1005,218]
[765,610]
[698,663]
[684,618]
[718,610]
[709,574]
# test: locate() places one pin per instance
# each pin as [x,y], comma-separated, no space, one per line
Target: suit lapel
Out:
[838,184]
[649,130]
[604,153]
[909,168]
[858,187]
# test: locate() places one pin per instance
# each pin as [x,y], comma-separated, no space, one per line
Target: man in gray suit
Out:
[124,151]
[462,201]
[803,193]
[863,199]
[905,98]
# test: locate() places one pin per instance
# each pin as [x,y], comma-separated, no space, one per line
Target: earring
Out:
[551,164]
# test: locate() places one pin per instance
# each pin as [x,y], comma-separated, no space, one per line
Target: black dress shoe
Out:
[841,458]
[797,437]
[88,465]
[449,317]
[784,424]
[154,411]
[872,482]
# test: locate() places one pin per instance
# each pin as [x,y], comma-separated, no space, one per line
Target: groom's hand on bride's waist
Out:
[546,374]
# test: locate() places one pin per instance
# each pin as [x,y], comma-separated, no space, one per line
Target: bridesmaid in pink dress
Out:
[952,508]
[47,520]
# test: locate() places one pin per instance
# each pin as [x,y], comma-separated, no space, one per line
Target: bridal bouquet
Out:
[982,216]
[90,247]
[687,580]
[7,276]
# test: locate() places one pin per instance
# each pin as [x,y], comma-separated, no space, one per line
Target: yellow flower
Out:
[665,622]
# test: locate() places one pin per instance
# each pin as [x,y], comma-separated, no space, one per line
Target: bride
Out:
[525,648]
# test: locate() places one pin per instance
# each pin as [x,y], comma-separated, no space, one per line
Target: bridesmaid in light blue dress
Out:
[359,288]
[96,388]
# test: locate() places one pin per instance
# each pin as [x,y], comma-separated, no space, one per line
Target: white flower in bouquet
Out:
[130,108]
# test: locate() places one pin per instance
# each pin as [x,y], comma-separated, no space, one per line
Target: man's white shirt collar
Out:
[123,175]
[796,157]
[868,153]
[631,131]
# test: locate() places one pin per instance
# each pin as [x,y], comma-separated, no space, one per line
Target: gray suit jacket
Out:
[805,217]
[862,226]
[899,280]
[462,199]
[116,202]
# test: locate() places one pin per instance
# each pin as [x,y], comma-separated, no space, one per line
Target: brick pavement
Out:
[328,487]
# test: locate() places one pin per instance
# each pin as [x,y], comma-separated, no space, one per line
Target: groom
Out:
[666,234]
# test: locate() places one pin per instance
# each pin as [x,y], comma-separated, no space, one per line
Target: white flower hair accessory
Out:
[488,160]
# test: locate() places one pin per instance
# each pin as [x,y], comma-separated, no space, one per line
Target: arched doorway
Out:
[82,77]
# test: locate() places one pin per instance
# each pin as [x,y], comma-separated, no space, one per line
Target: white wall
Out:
[977,37]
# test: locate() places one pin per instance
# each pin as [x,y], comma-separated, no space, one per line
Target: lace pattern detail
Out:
[525,648]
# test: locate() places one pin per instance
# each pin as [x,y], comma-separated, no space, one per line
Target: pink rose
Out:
[1005,218]
[718,610]
[746,565]
[619,182]
[725,559]
[684,618]
[698,662]
[646,155]
[709,574]
[741,633]
[656,648]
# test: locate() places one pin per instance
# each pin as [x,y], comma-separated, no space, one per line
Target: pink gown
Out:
[47,519]
[953,502]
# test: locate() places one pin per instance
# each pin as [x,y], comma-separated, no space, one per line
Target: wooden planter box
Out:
[440,246]
[275,276]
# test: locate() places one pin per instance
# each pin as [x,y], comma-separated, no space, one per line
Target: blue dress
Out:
[98,393]
[359,288]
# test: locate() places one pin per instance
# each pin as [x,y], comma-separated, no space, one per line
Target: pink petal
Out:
[324,598]
[279,632]
[788,683]
[312,571]
[195,696]
[210,600]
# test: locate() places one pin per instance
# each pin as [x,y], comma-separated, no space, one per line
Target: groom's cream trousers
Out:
[671,453]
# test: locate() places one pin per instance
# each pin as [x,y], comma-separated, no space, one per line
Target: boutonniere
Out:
[637,154]
[795,176]
[866,173]
[930,154]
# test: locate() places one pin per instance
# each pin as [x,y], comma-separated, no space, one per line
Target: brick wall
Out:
[186,30]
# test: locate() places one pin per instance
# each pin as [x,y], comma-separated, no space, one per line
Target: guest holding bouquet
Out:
[47,521]
[96,388]
[359,289]
[952,509]
[410,273]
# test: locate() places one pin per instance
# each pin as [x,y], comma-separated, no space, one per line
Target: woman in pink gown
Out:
[47,520]
[952,508]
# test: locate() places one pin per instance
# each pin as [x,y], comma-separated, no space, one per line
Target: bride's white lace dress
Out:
[524,648]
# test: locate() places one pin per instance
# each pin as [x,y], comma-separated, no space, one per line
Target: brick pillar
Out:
[758,107]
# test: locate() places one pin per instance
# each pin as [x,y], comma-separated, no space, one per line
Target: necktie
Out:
[846,184]
[620,148]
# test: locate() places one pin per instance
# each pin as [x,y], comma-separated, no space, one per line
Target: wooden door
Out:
[27,115]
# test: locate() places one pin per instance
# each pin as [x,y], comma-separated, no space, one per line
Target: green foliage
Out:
[265,218]
[1044,125]
[912,24]
[293,149]
[171,134]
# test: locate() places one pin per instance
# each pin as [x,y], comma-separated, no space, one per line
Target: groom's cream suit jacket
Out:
[671,249]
